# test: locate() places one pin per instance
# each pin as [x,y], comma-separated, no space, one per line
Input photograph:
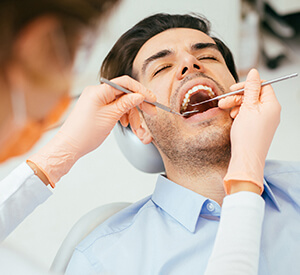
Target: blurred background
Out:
[264,34]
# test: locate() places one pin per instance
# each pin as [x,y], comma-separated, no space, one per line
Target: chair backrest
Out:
[80,230]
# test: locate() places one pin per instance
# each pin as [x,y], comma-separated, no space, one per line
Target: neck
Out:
[206,181]
[6,120]
[5,104]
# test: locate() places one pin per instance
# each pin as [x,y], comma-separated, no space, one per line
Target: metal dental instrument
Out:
[116,86]
[242,90]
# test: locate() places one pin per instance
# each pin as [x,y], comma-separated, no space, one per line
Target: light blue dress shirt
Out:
[173,231]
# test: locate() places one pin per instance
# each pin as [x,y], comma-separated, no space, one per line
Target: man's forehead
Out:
[171,39]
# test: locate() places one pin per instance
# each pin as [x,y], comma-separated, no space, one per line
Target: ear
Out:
[40,58]
[41,45]
[143,132]
[34,36]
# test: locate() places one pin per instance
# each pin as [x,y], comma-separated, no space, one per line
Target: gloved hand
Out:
[95,114]
[256,116]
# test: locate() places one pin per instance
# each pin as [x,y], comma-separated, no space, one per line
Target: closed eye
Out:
[207,57]
[161,69]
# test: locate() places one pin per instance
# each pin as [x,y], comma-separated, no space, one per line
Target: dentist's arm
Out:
[95,114]
[256,117]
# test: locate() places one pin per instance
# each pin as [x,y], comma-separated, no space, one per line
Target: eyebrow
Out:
[200,46]
[158,55]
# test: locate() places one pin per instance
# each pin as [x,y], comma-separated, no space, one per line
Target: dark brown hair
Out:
[73,15]
[120,59]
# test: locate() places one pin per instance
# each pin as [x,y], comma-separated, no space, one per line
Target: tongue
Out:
[197,98]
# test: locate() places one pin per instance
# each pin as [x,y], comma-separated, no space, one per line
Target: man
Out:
[173,231]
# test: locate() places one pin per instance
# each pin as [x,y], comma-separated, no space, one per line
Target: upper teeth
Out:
[186,99]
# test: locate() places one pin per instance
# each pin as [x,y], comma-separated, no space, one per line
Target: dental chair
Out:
[145,158]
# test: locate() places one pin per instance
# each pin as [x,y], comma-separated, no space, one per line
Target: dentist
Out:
[40,43]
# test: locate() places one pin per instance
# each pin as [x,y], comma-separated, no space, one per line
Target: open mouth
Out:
[197,94]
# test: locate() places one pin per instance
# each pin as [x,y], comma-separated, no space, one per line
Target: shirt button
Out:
[210,207]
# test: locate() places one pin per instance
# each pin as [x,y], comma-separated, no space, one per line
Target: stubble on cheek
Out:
[209,146]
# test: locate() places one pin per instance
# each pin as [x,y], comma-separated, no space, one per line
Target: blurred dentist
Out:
[37,52]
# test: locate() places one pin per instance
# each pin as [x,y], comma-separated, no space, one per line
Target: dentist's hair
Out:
[120,59]
[73,15]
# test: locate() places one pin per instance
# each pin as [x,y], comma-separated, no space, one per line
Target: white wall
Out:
[105,176]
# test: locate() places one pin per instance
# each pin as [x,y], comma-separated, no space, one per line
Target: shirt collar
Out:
[181,203]
[185,205]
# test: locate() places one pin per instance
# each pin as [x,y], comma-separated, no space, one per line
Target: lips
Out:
[197,94]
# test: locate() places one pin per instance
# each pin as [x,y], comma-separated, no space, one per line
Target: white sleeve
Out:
[12,262]
[237,245]
[20,193]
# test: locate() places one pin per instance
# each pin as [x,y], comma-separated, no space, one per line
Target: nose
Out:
[189,64]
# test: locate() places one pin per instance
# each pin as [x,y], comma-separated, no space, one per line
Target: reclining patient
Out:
[218,150]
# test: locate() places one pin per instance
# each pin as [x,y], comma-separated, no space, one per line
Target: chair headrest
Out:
[144,157]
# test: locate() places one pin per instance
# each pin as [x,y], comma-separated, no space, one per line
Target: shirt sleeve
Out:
[237,245]
[20,193]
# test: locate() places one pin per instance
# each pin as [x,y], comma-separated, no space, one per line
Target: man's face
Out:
[184,63]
